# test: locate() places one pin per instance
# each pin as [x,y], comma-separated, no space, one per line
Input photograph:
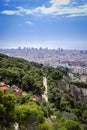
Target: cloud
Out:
[45,10]
[28,22]
[10,12]
[64,10]
[60,2]
[58,7]
[20,11]
[75,11]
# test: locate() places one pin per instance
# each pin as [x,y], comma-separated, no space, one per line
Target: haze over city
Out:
[43,23]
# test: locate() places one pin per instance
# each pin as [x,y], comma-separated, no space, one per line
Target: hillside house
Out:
[4,87]
[14,90]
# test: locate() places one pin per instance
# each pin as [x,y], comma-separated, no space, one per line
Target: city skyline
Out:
[43,23]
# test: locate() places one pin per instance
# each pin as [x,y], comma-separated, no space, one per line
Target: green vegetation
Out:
[80,84]
[29,115]
[61,112]
[7,110]
[28,76]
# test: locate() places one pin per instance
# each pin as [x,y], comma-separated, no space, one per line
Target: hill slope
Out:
[62,111]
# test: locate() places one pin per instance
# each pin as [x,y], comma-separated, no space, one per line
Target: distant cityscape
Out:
[76,60]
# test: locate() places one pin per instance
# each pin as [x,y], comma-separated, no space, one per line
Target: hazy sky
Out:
[45,23]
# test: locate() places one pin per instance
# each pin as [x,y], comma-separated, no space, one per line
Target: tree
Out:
[69,116]
[56,75]
[44,126]
[9,76]
[29,115]
[65,105]
[54,96]
[72,125]
[84,116]
[66,125]
[28,82]
[7,110]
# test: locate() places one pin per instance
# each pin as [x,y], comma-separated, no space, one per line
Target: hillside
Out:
[26,75]
[65,108]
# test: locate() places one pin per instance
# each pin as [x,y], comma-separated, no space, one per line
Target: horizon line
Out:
[38,48]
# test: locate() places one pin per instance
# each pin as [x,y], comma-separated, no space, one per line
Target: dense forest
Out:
[60,112]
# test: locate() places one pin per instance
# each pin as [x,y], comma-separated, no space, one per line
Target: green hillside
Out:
[20,72]
[62,111]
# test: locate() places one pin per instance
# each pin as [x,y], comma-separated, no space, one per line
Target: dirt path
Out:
[45,95]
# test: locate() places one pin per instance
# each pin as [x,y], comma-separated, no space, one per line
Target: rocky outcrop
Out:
[61,85]
[78,93]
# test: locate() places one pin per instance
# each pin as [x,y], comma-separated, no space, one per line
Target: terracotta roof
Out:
[4,87]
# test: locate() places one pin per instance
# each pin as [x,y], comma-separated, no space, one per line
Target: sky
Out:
[43,23]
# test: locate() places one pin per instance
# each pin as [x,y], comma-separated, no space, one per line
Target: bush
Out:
[44,126]
[72,125]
